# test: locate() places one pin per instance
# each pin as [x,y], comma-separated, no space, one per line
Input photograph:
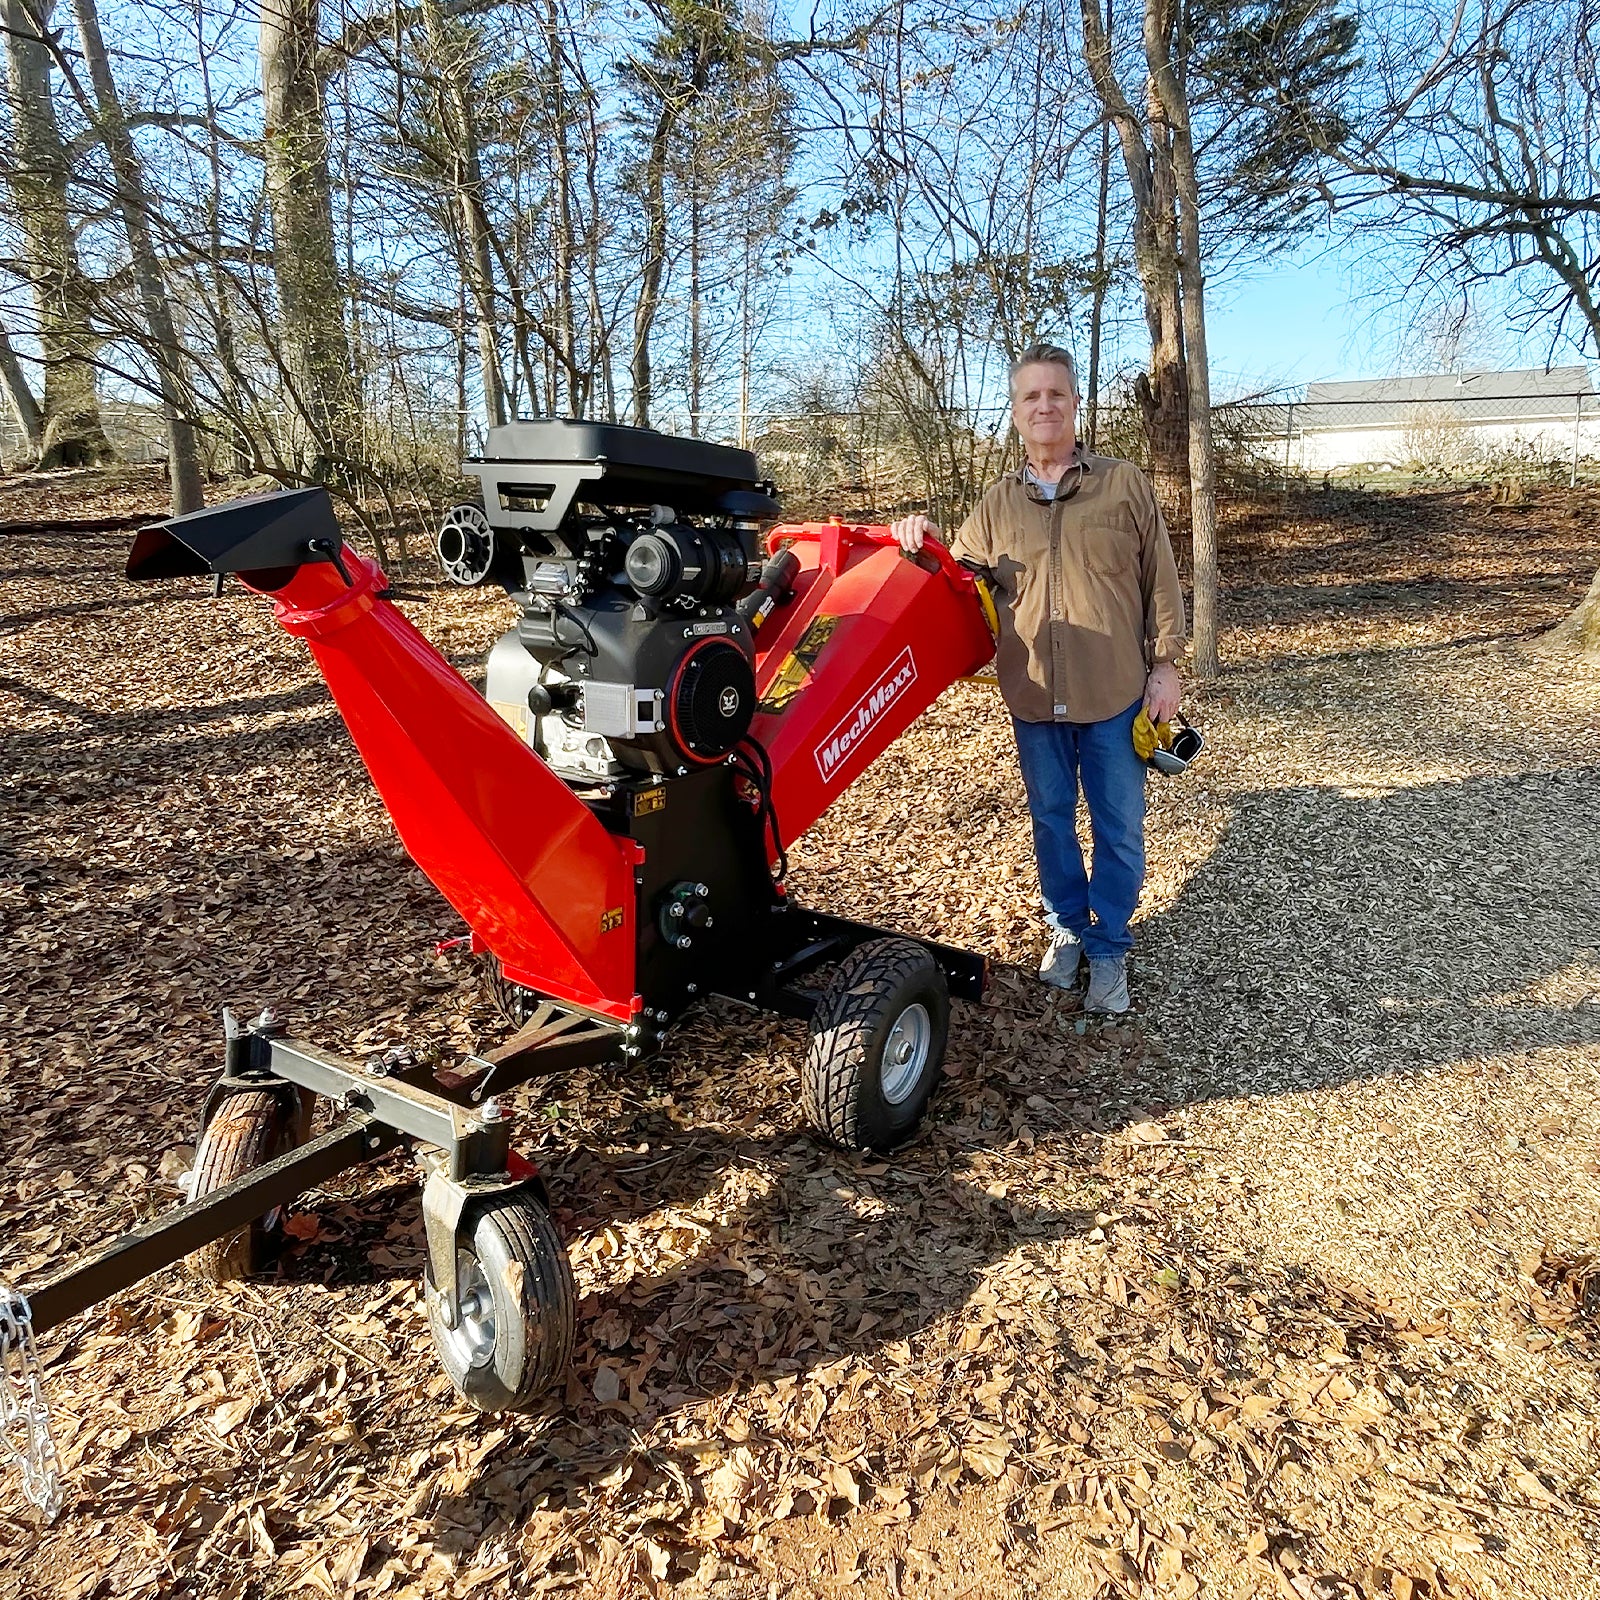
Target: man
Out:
[1091,629]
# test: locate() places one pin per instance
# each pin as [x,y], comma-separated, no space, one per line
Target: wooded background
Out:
[332,241]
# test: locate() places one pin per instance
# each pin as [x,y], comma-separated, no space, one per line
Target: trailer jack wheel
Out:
[247,1130]
[513,1335]
[877,1044]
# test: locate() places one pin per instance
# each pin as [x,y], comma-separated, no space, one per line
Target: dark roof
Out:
[1521,394]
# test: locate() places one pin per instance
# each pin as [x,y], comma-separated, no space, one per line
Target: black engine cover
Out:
[702,666]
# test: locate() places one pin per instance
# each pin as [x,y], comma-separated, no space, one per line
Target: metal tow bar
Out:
[25,1434]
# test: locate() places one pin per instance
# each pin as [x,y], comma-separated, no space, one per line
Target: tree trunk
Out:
[696,340]
[71,435]
[565,252]
[316,351]
[481,275]
[18,391]
[461,370]
[655,257]
[183,453]
[476,263]
[1174,101]
[235,390]
[1162,393]
[746,352]
[1202,459]
[599,328]
[1581,625]
[1101,278]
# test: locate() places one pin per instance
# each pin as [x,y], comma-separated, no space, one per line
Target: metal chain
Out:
[23,1412]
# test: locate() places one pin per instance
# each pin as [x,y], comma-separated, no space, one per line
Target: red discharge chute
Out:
[544,886]
[870,640]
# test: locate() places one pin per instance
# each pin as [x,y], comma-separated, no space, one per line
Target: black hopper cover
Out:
[262,534]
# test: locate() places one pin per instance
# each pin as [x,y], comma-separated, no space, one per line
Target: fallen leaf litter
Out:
[1285,1285]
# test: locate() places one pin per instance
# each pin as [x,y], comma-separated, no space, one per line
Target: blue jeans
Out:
[1057,758]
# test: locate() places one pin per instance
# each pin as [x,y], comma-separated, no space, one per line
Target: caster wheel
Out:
[246,1131]
[513,1339]
[877,1044]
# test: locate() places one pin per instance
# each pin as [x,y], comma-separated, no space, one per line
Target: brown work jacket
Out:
[1085,587]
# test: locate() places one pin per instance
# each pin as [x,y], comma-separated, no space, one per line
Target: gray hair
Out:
[1048,355]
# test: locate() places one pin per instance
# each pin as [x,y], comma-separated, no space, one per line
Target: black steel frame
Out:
[804,940]
[381,1105]
[465,1132]
[174,1234]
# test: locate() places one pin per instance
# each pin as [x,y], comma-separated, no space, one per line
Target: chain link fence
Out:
[848,463]
[137,433]
[881,462]
[1553,436]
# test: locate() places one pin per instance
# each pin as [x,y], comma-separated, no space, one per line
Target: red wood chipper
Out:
[677,701]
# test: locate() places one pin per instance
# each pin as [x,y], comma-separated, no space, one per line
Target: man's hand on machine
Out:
[911,531]
[1162,691]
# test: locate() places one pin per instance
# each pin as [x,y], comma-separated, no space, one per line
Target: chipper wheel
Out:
[877,1044]
[246,1131]
[514,1335]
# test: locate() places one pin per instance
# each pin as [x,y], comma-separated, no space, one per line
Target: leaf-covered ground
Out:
[1286,1286]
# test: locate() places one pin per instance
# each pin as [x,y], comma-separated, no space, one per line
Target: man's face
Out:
[1044,406]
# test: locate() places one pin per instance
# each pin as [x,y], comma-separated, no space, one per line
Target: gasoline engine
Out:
[632,558]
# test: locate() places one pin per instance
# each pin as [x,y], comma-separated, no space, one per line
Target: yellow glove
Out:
[1148,735]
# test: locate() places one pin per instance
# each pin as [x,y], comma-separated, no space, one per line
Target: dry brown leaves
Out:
[1564,1293]
[1248,1295]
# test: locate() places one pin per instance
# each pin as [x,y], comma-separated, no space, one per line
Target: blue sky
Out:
[1298,319]
[1331,309]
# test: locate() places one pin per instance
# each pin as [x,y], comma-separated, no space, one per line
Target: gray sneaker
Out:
[1062,960]
[1108,985]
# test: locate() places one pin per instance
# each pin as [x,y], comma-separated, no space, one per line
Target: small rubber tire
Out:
[511,1000]
[514,1339]
[246,1131]
[843,1085]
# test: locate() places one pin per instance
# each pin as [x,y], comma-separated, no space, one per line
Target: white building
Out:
[1451,420]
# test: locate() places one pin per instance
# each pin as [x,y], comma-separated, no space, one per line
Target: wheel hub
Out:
[472,1339]
[905,1054]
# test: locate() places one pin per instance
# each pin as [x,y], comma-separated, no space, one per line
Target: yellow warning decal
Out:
[794,672]
[611,919]
[647,800]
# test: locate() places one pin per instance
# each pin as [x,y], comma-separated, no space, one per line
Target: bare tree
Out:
[72,434]
[451,54]
[1145,137]
[1473,145]
[20,395]
[1202,65]
[305,266]
[104,108]
[946,228]
[1170,92]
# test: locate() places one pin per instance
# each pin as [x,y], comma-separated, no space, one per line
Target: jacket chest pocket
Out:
[1107,549]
